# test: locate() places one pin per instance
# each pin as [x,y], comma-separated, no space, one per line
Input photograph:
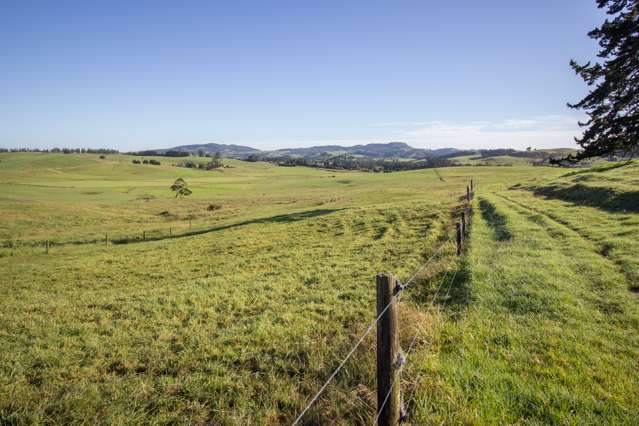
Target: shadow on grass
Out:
[460,294]
[599,169]
[449,289]
[495,220]
[282,218]
[599,197]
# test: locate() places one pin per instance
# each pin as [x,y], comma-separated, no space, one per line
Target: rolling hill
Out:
[372,150]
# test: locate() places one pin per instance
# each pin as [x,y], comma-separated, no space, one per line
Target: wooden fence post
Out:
[170,232]
[143,235]
[106,239]
[463,224]
[459,239]
[46,246]
[468,193]
[471,185]
[388,353]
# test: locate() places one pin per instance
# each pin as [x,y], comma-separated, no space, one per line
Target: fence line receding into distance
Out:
[391,409]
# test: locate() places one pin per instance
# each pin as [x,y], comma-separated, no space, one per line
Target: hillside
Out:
[373,150]
[510,157]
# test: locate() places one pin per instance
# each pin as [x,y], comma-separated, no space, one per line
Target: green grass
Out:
[547,335]
[500,160]
[241,321]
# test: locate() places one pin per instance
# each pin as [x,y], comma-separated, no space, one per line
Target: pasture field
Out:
[241,318]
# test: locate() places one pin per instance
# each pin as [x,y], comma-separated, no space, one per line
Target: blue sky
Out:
[274,74]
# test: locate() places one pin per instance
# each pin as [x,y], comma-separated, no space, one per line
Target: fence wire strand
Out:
[441,285]
[412,393]
[396,297]
[420,270]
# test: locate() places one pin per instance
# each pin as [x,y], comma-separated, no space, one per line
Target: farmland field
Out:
[235,304]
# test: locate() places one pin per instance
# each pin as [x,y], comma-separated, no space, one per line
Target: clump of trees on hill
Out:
[152,161]
[152,153]
[214,163]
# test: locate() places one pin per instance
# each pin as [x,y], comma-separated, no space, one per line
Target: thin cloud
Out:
[541,132]
[550,131]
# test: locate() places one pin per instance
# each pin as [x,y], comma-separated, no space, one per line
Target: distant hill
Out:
[376,151]
[372,150]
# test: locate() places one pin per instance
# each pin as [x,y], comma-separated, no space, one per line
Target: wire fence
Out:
[462,231]
[153,234]
[370,328]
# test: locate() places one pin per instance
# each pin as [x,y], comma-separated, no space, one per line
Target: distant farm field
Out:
[235,304]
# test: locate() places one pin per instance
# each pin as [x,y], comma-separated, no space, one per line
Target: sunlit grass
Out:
[241,322]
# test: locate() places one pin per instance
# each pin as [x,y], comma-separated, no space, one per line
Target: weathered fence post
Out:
[463,224]
[459,239]
[472,188]
[106,239]
[143,235]
[468,193]
[388,353]
[170,232]
[46,246]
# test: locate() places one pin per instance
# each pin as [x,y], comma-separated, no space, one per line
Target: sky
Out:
[274,74]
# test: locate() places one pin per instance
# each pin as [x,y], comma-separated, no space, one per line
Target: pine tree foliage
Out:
[612,105]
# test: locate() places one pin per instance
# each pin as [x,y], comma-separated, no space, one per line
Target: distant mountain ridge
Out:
[372,150]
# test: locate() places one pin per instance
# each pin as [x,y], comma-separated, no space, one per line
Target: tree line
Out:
[349,162]
[64,150]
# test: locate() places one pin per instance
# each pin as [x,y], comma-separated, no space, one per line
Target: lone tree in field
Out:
[180,188]
[613,104]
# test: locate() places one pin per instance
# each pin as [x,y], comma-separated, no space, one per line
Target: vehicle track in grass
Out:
[594,246]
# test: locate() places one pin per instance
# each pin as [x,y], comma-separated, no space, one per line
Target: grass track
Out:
[549,335]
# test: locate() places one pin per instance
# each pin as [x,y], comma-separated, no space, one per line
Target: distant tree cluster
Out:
[152,153]
[349,162]
[497,152]
[152,162]
[215,163]
[64,150]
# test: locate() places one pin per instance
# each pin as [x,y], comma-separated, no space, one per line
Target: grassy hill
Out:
[518,158]
[240,318]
